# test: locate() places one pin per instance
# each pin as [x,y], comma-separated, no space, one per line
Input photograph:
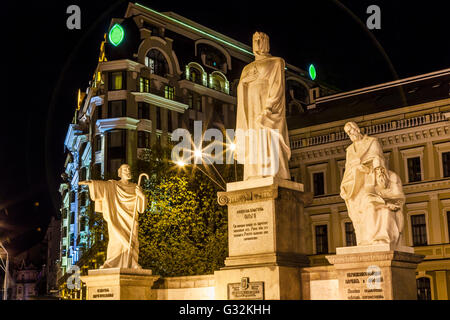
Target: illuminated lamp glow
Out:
[232,146]
[312,72]
[116,34]
[180,163]
[198,154]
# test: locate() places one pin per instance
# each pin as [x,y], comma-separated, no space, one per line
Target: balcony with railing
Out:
[298,143]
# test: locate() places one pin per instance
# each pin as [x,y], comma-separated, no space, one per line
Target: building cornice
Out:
[186,84]
[397,113]
[104,125]
[159,101]
[124,64]
[385,85]
[331,147]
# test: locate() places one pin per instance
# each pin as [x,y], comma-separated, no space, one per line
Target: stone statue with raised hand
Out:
[119,200]
[373,194]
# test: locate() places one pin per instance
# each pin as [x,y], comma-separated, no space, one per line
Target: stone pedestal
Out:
[268,239]
[119,284]
[377,272]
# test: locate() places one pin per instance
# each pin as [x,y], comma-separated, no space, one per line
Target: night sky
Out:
[44,64]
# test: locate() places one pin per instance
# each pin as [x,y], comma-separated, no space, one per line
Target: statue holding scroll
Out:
[261,132]
[119,201]
[373,194]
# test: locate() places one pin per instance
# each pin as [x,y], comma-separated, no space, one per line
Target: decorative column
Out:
[268,236]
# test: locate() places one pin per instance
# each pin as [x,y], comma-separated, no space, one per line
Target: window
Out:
[157,63]
[97,171]
[191,125]
[158,139]
[98,143]
[169,121]
[419,230]
[72,217]
[350,237]
[169,92]
[446,164]
[116,138]
[99,111]
[116,150]
[414,169]
[195,75]
[158,118]
[198,104]
[318,183]
[117,109]
[143,110]
[217,82]
[82,223]
[83,199]
[144,84]
[190,101]
[83,173]
[117,80]
[423,289]
[143,139]
[114,165]
[448,224]
[321,239]
[211,56]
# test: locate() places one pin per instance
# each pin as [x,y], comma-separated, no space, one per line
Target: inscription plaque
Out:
[253,291]
[250,229]
[102,294]
[364,285]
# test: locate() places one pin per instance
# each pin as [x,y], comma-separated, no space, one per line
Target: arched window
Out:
[218,82]
[195,75]
[297,97]
[157,63]
[212,57]
[297,91]
[423,288]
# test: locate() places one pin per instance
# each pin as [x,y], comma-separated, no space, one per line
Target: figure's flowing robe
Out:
[263,152]
[367,203]
[117,201]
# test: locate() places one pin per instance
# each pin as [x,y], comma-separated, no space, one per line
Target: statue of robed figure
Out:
[373,194]
[119,201]
[262,142]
